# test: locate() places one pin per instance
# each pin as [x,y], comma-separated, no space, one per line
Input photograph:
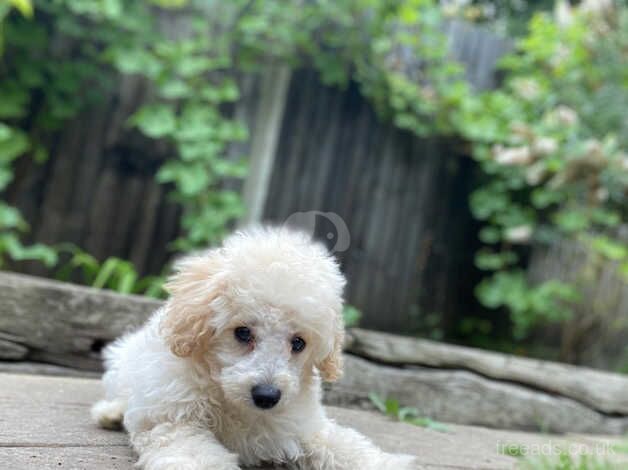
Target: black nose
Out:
[265,396]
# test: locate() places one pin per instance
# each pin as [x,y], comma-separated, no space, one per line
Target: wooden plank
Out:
[65,324]
[462,396]
[264,141]
[40,368]
[603,391]
[45,424]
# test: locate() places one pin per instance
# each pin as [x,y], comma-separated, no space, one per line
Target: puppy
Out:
[228,373]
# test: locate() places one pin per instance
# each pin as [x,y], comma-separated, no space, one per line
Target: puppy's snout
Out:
[265,396]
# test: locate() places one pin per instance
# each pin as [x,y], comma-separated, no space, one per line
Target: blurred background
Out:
[466,160]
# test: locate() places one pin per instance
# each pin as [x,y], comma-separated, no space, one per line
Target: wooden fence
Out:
[313,148]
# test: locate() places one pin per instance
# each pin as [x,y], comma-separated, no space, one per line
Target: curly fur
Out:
[181,384]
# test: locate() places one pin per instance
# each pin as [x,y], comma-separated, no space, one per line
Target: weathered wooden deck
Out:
[45,424]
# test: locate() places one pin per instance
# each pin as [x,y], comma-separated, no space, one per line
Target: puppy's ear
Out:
[186,325]
[331,366]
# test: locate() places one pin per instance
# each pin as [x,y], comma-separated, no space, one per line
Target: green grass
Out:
[405,414]
[567,462]
[621,447]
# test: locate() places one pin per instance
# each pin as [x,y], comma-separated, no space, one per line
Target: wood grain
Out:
[603,391]
[45,424]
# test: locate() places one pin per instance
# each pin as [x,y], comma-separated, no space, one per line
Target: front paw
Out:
[186,463]
[399,462]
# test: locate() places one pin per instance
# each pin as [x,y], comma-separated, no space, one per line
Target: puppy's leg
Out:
[109,414]
[340,448]
[177,446]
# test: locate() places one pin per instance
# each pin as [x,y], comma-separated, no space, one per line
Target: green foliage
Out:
[410,415]
[351,316]
[38,83]
[566,462]
[504,16]
[561,461]
[551,141]
[113,273]
[528,305]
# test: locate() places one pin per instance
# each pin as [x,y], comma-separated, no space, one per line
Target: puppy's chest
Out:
[260,442]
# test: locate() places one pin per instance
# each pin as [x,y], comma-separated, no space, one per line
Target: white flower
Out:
[512,156]
[528,88]
[563,13]
[521,129]
[520,234]
[602,194]
[564,115]
[596,7]
[535,173]
[545,146]
[561,54]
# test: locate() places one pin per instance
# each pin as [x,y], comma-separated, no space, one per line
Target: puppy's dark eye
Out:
[298,344]
[243,334]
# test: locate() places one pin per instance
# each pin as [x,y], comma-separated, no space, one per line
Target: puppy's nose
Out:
[265,396]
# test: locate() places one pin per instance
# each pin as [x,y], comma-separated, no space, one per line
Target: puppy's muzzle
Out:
[265,396]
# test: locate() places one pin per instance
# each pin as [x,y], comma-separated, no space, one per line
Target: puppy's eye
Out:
[243,334]
[298,344]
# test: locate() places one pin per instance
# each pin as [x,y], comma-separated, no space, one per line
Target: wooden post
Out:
[265,135]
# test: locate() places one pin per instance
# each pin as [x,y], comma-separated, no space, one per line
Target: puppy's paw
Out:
[108,414]
[400,462]
[185,463]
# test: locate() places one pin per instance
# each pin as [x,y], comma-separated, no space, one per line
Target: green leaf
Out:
[490,235]
[175,89]
[13,102]
[155,121]
[10,218]
[406,413]
[392,407]
[378,402]
[190,179]
[24,6]
[13,143]
[489,261]
[127,281]
[572,220]
[543,197]
[351,316]
[190,66]
[10,244]
[611,249]
[488,201]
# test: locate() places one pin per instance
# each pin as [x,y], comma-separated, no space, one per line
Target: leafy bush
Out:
[551,142]
[113,273]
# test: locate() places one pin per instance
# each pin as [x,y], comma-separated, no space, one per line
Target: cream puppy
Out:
[228,373]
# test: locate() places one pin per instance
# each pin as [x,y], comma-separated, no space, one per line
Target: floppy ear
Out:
[331,366]
[186,325]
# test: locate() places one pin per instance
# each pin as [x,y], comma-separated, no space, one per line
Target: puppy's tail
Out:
[109,414]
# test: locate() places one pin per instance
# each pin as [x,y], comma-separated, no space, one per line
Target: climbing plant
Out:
[550,141]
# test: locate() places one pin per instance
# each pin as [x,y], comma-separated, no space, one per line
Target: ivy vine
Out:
[551,141]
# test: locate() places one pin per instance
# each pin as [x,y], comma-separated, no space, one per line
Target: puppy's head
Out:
[263,313]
